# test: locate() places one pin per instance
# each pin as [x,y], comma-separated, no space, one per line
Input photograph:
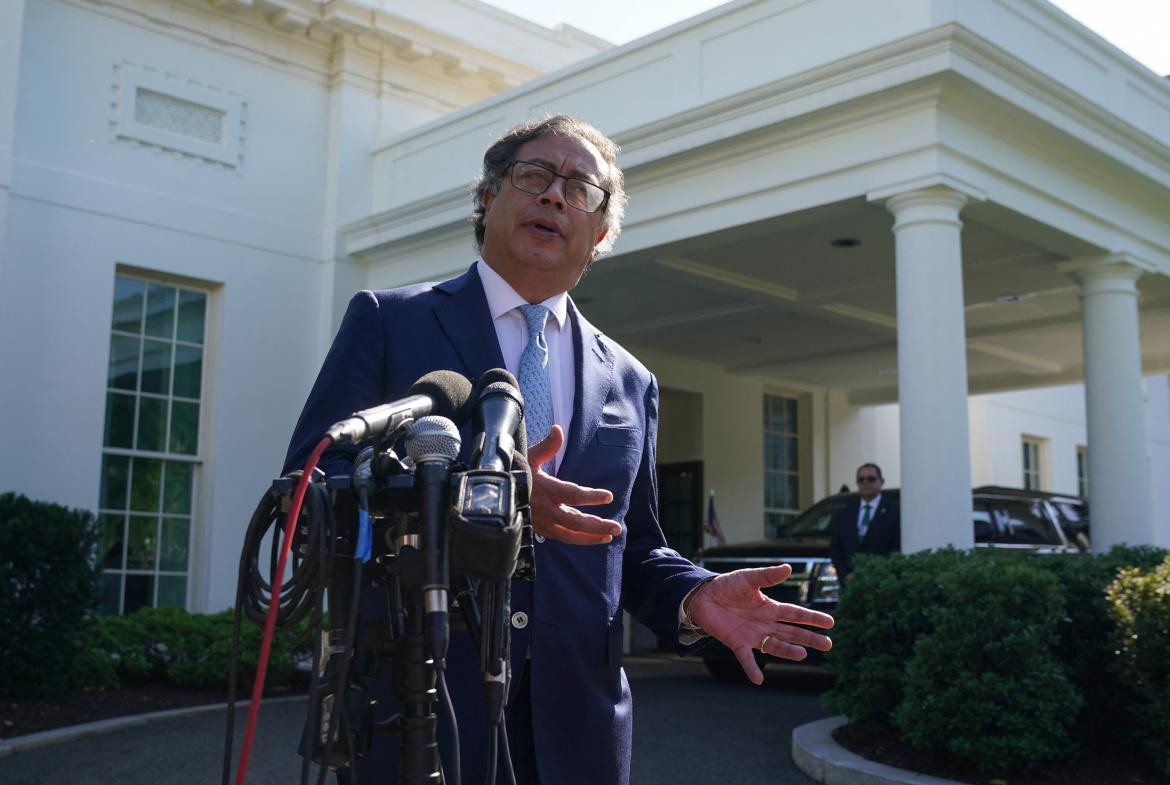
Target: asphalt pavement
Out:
[688,727]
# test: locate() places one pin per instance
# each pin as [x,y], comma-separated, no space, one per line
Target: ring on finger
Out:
[764,642]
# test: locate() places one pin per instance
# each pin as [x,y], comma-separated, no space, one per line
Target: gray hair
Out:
[503,152]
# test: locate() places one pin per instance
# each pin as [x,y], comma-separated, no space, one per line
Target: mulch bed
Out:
[19,717]
[1119,765]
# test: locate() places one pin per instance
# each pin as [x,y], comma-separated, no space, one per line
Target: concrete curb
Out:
[817,754]
[71,732]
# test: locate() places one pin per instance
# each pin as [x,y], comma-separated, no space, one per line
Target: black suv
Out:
[1005,519]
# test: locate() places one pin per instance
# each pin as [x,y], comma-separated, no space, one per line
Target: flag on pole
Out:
[712,526]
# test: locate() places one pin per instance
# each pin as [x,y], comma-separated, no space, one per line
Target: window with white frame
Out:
[781,461]
[1082,471]
[150,446]
[1033,463]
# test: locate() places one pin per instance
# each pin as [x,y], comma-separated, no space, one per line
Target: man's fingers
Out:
[797,637]
[776,647]
[577,521]
[571,493]
[747,661]
[795,614]
[574,537]
[763,577]
[546,449]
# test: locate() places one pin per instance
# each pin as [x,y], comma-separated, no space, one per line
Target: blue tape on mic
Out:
[365,539]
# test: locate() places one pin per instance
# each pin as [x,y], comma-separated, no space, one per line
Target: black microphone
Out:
[441,393]
[498,421]
[433,444]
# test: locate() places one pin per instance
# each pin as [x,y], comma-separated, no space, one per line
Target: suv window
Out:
[1014,521]
[817,521]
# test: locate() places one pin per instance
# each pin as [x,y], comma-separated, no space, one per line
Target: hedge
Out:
[49,588]
[1006,661]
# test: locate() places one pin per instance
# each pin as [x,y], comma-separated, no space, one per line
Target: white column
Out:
[11,32]
[1115,406]
[932,370]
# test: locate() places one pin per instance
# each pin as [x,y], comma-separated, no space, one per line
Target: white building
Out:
[191,190]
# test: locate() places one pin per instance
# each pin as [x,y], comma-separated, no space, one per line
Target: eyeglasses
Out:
[868,478]
[535,179]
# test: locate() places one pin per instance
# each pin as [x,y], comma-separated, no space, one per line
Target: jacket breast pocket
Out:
[611,436]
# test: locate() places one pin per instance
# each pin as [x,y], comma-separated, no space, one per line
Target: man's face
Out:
[539,243]
[869,484]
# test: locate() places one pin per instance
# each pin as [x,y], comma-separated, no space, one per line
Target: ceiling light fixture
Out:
[845,242]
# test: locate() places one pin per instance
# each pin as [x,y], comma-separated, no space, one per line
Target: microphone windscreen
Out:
[449,391]
[494,376]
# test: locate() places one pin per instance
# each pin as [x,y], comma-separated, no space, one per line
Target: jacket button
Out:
[539,537]
[519,620]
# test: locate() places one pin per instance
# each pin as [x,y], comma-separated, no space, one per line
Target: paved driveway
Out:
[687,728]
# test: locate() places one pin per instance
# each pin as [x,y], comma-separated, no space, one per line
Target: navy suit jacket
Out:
[883,536]
[581,707]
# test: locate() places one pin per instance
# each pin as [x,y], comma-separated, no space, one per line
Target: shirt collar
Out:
[873,503]
[502,298]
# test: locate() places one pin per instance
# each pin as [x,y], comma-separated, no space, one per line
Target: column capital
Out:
[936,183]
[1118,267]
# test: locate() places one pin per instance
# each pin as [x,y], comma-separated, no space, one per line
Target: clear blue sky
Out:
[1140,28]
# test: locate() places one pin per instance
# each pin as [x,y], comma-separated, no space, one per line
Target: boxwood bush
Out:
[49,588]
[1140,608]
[183,649]
[1005,662]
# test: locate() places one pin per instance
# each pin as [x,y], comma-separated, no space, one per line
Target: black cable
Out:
[507,753]
[449,705]
[301,595]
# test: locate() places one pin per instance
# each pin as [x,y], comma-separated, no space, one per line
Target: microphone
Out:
[441,393]
[433,444]
[498,421]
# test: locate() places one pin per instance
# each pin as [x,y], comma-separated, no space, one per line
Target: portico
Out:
[964,198]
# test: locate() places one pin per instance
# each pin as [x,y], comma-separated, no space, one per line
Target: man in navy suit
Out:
[872,524]
[549,200]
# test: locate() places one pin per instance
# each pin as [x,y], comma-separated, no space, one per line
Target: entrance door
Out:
[680,505]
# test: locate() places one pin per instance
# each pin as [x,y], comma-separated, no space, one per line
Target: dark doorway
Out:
[680,505]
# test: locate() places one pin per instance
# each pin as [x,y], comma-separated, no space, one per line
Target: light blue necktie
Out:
[533,377]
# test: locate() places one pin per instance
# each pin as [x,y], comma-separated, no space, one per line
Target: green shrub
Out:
[884,609]
[49,586]
[986,684]
[1085,643]
[1140,609]
[179,648]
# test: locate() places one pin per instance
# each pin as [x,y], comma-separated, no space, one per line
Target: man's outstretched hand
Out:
[553,501]
[732,609]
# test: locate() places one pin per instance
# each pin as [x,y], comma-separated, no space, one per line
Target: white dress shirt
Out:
[512,333]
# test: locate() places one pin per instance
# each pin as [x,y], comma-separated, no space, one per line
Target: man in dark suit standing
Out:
[548,201]
[872,524]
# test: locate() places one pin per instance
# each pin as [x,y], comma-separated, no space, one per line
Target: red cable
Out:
[274,604]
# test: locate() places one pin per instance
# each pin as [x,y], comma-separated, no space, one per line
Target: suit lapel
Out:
[465,319]
[593,376]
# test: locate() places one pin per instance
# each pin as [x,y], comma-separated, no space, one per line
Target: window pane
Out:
[172,591]
[111,593]
[184,427]
[191,310]
[160,310]
[119,420]
[139,592]
[156,367]
[113,531]
[177,488]
[172,554]
[141,542]
[115,477]
[128,304]
[791,455]
[152,423]
[188,371]
[789,415]
[144,495]
[791,492]
[123,373]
